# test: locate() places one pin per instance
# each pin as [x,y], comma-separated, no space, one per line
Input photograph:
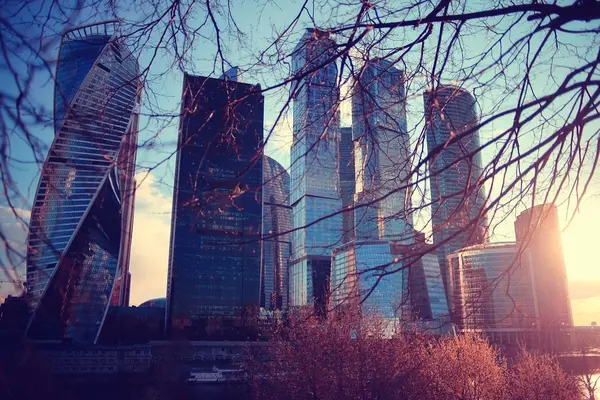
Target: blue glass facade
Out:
[436,293]
[215,252]
[359,275]
[75,241]
[315,187]
[490,288]
[424,304]
[458,198]
[347,182]
[277,223]
[77,296]
[382,151]
[75,60]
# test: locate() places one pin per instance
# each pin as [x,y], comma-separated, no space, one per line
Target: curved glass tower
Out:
[80,227]
[457,197]
[490,288]
[276,219]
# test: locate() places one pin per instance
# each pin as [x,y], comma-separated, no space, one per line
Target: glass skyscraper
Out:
[426,295]
[457,197]
[365,273]
[80,228]
[520,285]
[213,287]
[347,182]
[490,288]
[276,220]
[362,267]
[382,151]
[538,236]
[315,188]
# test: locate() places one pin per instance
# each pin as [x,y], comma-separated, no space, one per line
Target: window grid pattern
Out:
[315,181]
[489,287]
[215,251]
[81,181]
[457,197]
[382,149]
[277,219]
[359,275]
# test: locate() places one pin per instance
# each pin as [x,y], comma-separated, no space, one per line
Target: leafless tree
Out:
[540,377]
[531,65]
[352,357]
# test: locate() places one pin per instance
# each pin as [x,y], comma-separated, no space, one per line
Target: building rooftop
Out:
[103,28]
[487,246]
[154,303]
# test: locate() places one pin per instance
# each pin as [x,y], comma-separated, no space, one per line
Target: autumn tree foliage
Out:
[349,357]
[465,367]
[540,377]
[342,357]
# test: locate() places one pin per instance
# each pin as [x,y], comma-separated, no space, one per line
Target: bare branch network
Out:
[531,69]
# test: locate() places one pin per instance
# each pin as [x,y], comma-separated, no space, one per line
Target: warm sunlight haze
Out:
[580,242]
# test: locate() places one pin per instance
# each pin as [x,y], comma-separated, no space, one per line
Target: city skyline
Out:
[159,292]
[284,200]
[161,198]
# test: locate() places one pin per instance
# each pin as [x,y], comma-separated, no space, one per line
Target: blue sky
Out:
[163,92]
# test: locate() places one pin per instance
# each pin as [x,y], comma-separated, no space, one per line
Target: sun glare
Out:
[581,241]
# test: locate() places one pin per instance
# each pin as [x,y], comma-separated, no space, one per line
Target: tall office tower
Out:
[126,164]
[315,189]
[538,235]
[363,274]
[489,288]
[425,295]
[347,183]
[381,166]
[382,161]
[276,221]
[457,197]
[79,231]
[213,287]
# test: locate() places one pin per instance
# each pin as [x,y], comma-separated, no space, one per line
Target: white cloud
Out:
[150,243]
[149,252]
